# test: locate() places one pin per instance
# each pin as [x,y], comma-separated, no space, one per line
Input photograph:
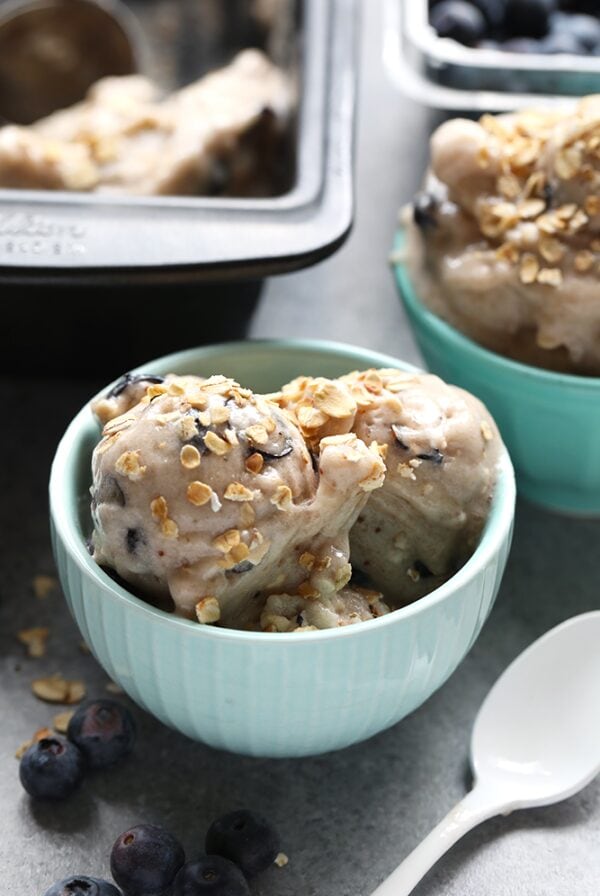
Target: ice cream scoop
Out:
[206,494]
[441,448]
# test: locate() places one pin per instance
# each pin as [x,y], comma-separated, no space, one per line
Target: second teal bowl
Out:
[262,693]
[550,422]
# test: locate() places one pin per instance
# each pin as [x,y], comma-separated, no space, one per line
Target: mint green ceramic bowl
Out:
[268,694]
[550,422]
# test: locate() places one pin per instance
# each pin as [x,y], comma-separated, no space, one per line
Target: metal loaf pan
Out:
[68,239]
[446,75]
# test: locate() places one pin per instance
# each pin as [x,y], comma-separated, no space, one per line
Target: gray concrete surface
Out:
[346,818]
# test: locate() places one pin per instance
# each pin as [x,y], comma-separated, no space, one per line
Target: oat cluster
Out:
[545,215]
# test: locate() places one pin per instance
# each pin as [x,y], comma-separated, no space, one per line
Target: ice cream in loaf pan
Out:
[218,136]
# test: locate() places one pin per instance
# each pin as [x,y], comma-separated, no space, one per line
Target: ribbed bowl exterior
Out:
[267,694]
[550,422]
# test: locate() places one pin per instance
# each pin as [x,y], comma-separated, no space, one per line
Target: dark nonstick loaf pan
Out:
[69,239]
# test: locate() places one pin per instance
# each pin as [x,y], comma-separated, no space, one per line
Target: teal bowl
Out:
[550,422]
[269,694]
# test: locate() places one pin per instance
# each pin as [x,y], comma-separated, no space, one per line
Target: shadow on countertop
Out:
[101,332]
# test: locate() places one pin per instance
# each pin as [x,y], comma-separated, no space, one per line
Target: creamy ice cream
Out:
[291,612]
[441,449]
[220,135]
[504,240]
[206,494]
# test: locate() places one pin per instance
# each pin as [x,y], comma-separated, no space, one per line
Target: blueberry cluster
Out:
[100,733]
[520,26]
[148,860]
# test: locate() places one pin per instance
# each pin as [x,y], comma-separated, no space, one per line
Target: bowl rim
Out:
[497,530]
[446,331]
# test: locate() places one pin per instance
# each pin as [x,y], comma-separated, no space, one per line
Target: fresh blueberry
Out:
[528,18]
[459,20]
[103,730]
[522,45]
[210,876]
[51,768]
[79,885]
[492,10]
[562,42]
[145,859]
[584,28]
[245,838]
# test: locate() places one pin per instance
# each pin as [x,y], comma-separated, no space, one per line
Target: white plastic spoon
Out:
[536,740]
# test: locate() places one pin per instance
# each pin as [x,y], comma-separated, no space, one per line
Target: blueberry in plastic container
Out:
[210,876]
[458,20]
[584,28]
[103,730]
[528,18]
[492,11]
[521,45]
[560,42]
[587,6]
[245,838]
[80,885]
[145,859]
[51,769]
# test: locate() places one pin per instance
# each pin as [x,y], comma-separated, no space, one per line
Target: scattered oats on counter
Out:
[40,734]
[56,689]
[60,722]
[34,640]
[44,585]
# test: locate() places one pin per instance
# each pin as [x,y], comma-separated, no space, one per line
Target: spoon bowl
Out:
[537,734]
[536,740]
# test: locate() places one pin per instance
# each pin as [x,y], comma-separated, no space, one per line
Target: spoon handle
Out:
[477,806]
